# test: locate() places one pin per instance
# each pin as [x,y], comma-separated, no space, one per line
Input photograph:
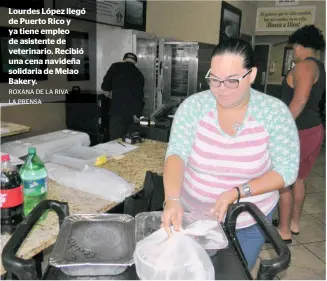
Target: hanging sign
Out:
[284,18]
[286,2]
[101,11]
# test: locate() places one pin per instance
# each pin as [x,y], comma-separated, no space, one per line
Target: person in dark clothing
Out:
[322,106]
[302,90]
[125,82]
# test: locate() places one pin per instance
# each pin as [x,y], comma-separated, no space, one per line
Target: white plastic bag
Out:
[98,181]
[179,257]
[214,237]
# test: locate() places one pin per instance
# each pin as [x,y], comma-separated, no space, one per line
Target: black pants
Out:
[119,125]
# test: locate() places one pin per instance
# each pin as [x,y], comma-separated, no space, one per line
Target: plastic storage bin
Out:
[77,157]
[47,144]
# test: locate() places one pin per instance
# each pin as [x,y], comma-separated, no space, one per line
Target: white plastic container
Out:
[97,181]
[149,222]
[47,144]
[76,157]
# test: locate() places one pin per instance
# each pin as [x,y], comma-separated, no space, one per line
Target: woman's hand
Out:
[172,214]
[224,200]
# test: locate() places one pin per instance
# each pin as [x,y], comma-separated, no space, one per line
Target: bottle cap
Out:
[31,150]
[5,157]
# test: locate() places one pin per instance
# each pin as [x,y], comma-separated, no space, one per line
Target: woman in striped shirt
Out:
[226,139]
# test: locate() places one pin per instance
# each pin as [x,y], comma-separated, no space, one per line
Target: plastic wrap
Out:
[47,144]
[77,157]
[97,181]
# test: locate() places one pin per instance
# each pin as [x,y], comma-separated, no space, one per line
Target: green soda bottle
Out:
[34,177]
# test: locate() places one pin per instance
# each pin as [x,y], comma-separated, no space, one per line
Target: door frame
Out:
[253,41]
[269,54]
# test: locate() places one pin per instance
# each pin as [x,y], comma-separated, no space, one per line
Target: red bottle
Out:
[11,196]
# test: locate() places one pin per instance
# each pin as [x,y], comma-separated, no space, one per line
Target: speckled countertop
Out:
[132,167]
[13,129]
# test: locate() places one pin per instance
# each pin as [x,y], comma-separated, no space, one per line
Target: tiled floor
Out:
[308,250]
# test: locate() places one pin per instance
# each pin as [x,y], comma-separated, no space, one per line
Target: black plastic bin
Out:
[229,263]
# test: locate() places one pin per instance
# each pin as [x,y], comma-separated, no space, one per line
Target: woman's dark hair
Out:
[237,47]
[308,36]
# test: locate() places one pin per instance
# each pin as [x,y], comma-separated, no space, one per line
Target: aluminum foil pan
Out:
[146,223]
[94,245]
[149,222]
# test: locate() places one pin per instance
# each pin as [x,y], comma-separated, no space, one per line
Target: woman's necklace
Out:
[236,127]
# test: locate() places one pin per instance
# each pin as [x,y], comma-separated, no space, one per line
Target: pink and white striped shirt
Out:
[216,162]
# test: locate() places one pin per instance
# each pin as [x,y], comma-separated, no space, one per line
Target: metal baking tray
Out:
[90,245]
[148,222]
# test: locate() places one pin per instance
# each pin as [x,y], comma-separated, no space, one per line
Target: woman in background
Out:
[302,90]
[227,143]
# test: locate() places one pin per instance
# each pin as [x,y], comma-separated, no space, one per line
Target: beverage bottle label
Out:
[11,197]
[35,187]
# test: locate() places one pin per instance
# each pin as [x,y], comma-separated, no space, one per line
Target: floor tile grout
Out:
[303,214]
[300,243]
[295,240]
[313,216]
[313,253]
[316,218]
[311,242]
